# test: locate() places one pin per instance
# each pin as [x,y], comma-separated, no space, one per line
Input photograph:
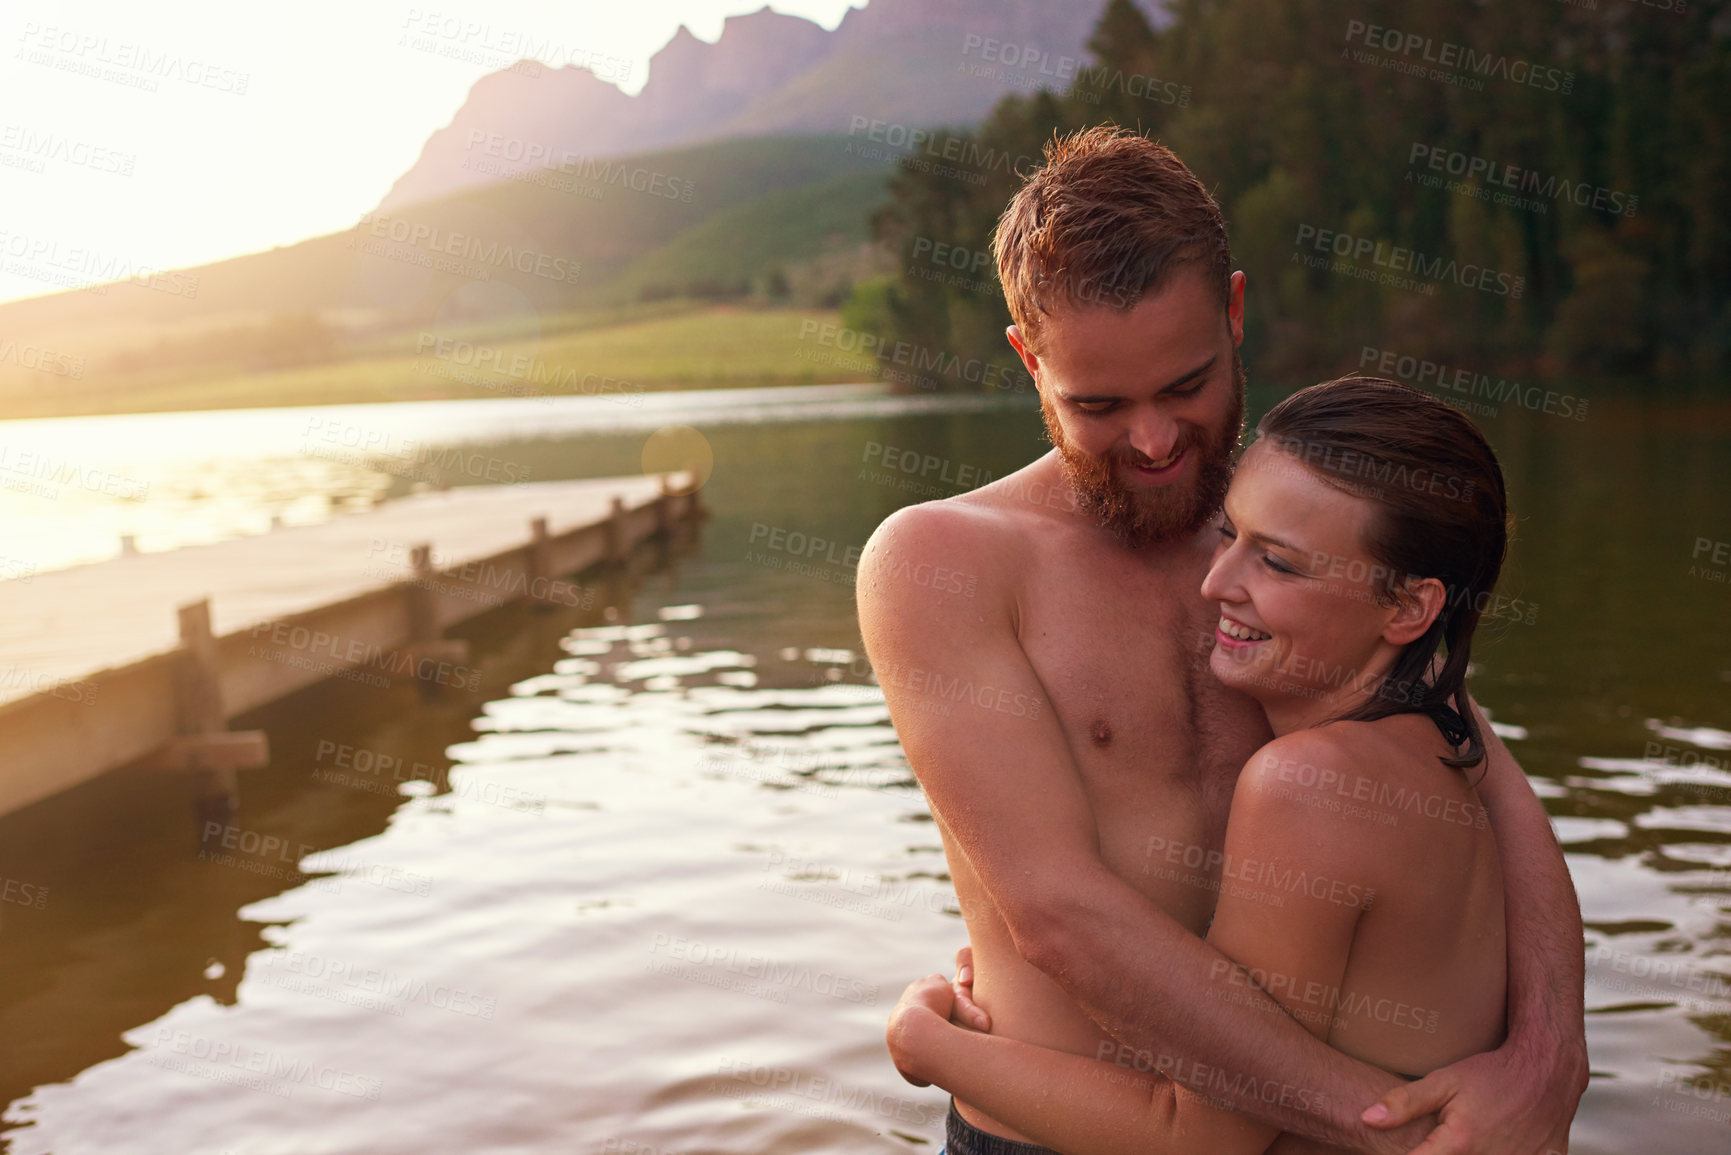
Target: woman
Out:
[1359,885]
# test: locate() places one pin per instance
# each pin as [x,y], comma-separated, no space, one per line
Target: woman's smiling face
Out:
[1304,619]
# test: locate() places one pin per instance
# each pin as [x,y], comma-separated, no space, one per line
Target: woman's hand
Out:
[926,1003]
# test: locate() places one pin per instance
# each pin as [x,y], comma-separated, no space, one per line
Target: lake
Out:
[654,886]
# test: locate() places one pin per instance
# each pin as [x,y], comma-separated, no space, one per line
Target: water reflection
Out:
[660,879]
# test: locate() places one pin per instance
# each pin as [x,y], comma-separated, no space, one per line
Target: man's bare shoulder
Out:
[991,524]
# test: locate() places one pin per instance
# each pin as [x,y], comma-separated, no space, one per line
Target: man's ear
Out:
[1414,611]
[1030,360]
[1235,306]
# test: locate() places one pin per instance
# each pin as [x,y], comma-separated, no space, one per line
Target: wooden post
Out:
[203,743]
[540,566]
[424,640]
[616,546]
[422,625]
[693,504]
[664,506]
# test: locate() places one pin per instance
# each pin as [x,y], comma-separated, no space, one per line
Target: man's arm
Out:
[1541,1070]
[1294,943]
[978,729]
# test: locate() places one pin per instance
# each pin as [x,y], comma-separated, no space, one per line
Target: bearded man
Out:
[1116,269]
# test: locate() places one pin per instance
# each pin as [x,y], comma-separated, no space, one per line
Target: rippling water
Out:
[655,886]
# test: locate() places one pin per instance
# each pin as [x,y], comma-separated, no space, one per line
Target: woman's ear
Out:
[1416,606]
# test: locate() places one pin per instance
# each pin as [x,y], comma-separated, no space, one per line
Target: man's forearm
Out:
[1546,949]
[1161,991]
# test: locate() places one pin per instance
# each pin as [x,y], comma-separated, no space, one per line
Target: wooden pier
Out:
[140,661]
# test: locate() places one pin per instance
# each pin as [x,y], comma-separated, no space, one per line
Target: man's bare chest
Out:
[1125,664]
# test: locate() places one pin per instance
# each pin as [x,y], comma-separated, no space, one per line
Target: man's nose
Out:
[1154,436]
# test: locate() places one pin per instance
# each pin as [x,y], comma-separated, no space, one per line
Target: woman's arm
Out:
[1295,880]
[1068,1102]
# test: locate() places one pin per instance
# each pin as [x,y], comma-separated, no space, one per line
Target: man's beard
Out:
[1137,516]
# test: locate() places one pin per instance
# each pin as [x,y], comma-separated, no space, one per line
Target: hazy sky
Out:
[138,136]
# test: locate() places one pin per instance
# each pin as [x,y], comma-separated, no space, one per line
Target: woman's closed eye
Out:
[1271,561]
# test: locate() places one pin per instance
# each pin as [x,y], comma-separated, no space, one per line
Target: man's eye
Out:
[1093,406]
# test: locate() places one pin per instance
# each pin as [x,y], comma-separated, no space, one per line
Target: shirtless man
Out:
[1062,719]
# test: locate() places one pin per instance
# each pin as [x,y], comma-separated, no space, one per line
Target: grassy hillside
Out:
[736,250]
[776,222]
[612,353]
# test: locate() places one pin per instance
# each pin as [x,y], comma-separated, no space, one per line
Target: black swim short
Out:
[963,1138]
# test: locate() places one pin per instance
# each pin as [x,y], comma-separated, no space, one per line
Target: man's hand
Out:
[1494,1103]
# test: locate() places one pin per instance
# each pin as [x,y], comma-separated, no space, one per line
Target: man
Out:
[1091,732]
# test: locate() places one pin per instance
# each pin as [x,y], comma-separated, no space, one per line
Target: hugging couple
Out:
[1261,877]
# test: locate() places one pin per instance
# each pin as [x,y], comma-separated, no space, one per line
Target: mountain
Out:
[793,205]
[551,190]
[918,63]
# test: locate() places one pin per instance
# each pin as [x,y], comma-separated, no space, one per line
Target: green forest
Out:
[1540,188]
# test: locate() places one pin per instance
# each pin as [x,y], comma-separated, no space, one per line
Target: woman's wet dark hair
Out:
[1441,512]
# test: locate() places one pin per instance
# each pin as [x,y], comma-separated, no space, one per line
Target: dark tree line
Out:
[1548,184]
